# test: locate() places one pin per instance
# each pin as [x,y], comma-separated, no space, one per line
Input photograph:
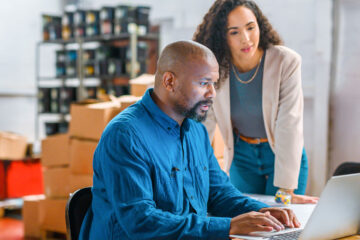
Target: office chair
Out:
[76,207]
[347,168]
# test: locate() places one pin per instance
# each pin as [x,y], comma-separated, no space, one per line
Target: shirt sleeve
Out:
[127,177]
[225,200]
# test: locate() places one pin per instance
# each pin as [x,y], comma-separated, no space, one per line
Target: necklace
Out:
[253,76]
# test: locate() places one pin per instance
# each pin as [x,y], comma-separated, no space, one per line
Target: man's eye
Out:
[203,83]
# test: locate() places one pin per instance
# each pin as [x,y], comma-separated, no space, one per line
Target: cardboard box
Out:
[55,150]
[221,163]
[127,100]
[89,120]
[53,214]
[32,215]
[218,143]
[60,182]
[139,85]
[12,146]
[81,156]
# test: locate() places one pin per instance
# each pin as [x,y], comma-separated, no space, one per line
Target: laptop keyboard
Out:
[287,236]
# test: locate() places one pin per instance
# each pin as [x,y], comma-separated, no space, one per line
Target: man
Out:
[155,174]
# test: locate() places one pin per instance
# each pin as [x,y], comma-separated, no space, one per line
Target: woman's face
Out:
[243,34]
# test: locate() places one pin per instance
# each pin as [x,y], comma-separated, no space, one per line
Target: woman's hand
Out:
[303,199]
[299,199]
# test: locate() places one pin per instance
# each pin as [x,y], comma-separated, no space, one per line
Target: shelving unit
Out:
[81,82]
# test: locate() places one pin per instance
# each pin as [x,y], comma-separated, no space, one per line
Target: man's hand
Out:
[285,215]
[255,221]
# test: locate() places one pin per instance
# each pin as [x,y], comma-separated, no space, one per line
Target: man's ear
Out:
[168,81]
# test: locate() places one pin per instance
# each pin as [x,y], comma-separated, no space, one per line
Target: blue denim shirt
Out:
[154,179]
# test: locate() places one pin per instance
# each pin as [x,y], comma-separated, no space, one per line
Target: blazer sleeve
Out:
[288,134]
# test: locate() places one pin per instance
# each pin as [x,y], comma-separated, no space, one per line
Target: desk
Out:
[351,238]
[302,211]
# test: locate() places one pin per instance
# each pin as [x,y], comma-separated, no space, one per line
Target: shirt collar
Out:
[162,118]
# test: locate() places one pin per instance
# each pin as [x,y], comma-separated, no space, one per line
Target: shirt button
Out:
[185,169]
[192,197]
[169,128]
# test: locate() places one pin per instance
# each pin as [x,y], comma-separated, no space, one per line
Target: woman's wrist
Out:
[284,195]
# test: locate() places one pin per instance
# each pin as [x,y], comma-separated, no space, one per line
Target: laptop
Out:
[336,215]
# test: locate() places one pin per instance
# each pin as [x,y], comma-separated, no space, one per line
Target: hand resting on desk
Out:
[303,199]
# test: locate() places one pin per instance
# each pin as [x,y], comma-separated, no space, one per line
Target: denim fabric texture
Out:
[252,169]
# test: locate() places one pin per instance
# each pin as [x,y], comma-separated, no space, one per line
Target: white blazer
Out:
[282,106]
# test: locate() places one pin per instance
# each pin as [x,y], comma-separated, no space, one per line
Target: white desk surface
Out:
[302,211]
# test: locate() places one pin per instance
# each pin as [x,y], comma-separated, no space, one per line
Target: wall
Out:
[345,97]
[20,24]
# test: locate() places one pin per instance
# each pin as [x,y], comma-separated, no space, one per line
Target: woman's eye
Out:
[250,28]
[233,33]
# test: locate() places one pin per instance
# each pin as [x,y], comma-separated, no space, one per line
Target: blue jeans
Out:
[252,169]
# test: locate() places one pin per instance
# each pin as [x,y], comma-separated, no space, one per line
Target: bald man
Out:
[155,174]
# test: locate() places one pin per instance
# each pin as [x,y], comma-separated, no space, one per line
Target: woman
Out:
[259,103]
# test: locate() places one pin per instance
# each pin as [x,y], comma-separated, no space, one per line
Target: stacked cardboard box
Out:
[32,215]
[67,158]
[218,146]
[12,146]
[218,143]
[139,85]
[59,181]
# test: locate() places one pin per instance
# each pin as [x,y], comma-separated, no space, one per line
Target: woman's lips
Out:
[246,50]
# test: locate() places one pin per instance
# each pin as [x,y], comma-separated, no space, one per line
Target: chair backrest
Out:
[76,208]
[347,168]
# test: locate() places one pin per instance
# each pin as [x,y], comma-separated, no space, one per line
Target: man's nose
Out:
[211,93]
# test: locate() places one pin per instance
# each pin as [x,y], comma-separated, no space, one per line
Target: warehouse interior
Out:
[58,57]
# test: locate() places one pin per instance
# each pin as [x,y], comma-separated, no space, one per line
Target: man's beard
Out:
[192,114]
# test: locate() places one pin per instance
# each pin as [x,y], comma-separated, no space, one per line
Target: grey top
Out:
[246,102]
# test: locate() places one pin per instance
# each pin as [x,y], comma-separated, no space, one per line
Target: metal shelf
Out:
[103,38]
[54,117]
[49,82]
[81,81]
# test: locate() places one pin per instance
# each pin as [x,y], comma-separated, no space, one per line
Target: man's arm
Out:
[127,177]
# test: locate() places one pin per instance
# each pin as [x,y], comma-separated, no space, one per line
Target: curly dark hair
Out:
[212,31]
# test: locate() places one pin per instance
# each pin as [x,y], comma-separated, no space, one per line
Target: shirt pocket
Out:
[169,193]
